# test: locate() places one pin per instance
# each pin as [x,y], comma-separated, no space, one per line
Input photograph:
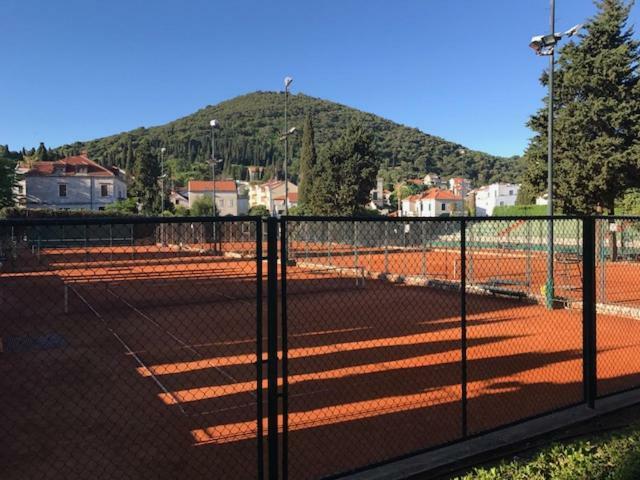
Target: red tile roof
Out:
[434,194]
[293,197]
[69,166]
[438,194]
[207,186]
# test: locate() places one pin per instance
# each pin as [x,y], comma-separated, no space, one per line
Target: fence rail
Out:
[299,347]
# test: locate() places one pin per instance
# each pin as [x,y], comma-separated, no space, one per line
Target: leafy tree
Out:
[307,162]
[181,211]
[147,172]
[123,206]
[345,174]
[260,211]
[202,207]
[597,112]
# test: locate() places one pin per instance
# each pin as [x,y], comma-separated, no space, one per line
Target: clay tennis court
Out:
[141,362]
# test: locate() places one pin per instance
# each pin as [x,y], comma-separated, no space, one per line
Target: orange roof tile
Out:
[207,186]
[68,167]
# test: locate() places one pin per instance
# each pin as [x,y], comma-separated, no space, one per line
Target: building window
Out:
[502,204]
[443,207]
[101,208]
[20,189]
[104,190]
[510,192]
[62,190]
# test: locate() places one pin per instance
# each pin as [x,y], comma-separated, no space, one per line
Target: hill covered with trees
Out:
[251,126]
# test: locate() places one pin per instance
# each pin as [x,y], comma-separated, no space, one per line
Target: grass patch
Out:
[610,457]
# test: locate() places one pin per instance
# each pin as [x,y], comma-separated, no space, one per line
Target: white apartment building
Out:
[495,195]
[72,183]
[231,198]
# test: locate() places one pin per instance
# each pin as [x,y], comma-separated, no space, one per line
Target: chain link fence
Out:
[299,347]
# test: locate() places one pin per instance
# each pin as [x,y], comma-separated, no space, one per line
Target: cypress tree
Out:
[147,172]
[307,162]
[42,155]
[597,115]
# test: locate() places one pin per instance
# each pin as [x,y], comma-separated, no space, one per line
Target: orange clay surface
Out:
[156,377]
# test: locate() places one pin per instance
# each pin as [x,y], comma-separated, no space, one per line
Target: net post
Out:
[66,299]
[355,244]
[272,346]
[589,347]
[424,250]
[463,324]
[386,248]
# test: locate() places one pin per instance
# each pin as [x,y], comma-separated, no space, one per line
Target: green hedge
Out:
[13,212]
[520,211]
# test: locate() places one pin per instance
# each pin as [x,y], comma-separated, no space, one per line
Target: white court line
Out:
[175,337]
[128,349]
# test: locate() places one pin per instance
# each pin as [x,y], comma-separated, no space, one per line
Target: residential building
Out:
[72,183]
[278,202]
[179,197]
[435,202]
[495,195]
[265,194]
[460,186]
[433,180]
[377,195]
[231,198]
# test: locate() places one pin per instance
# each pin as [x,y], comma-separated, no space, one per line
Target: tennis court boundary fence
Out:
[288,243]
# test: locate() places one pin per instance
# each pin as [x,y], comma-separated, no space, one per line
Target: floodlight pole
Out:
[162,150]
[213,124]
[286,148]
[549,291]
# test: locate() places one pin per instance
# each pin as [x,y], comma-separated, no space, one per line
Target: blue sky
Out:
[460,69]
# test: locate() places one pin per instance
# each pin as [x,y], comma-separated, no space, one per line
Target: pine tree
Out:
[345,174]
[307,162]
[147,172]
[597,117]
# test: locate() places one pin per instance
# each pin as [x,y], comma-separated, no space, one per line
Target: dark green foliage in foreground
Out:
[597,118]
[249,135]
[615,457]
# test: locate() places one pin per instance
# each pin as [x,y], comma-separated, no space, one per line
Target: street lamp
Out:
[214,124]
[544,45]
[285,137]
[287,84]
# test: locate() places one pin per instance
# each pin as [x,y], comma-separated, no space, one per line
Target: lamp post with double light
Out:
[544,45]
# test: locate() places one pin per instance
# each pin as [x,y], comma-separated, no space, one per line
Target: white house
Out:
[179,197]
[265,194]
[542,199]
[231,198]
[433,203]
[72,183]
[495,195]
[460,186]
